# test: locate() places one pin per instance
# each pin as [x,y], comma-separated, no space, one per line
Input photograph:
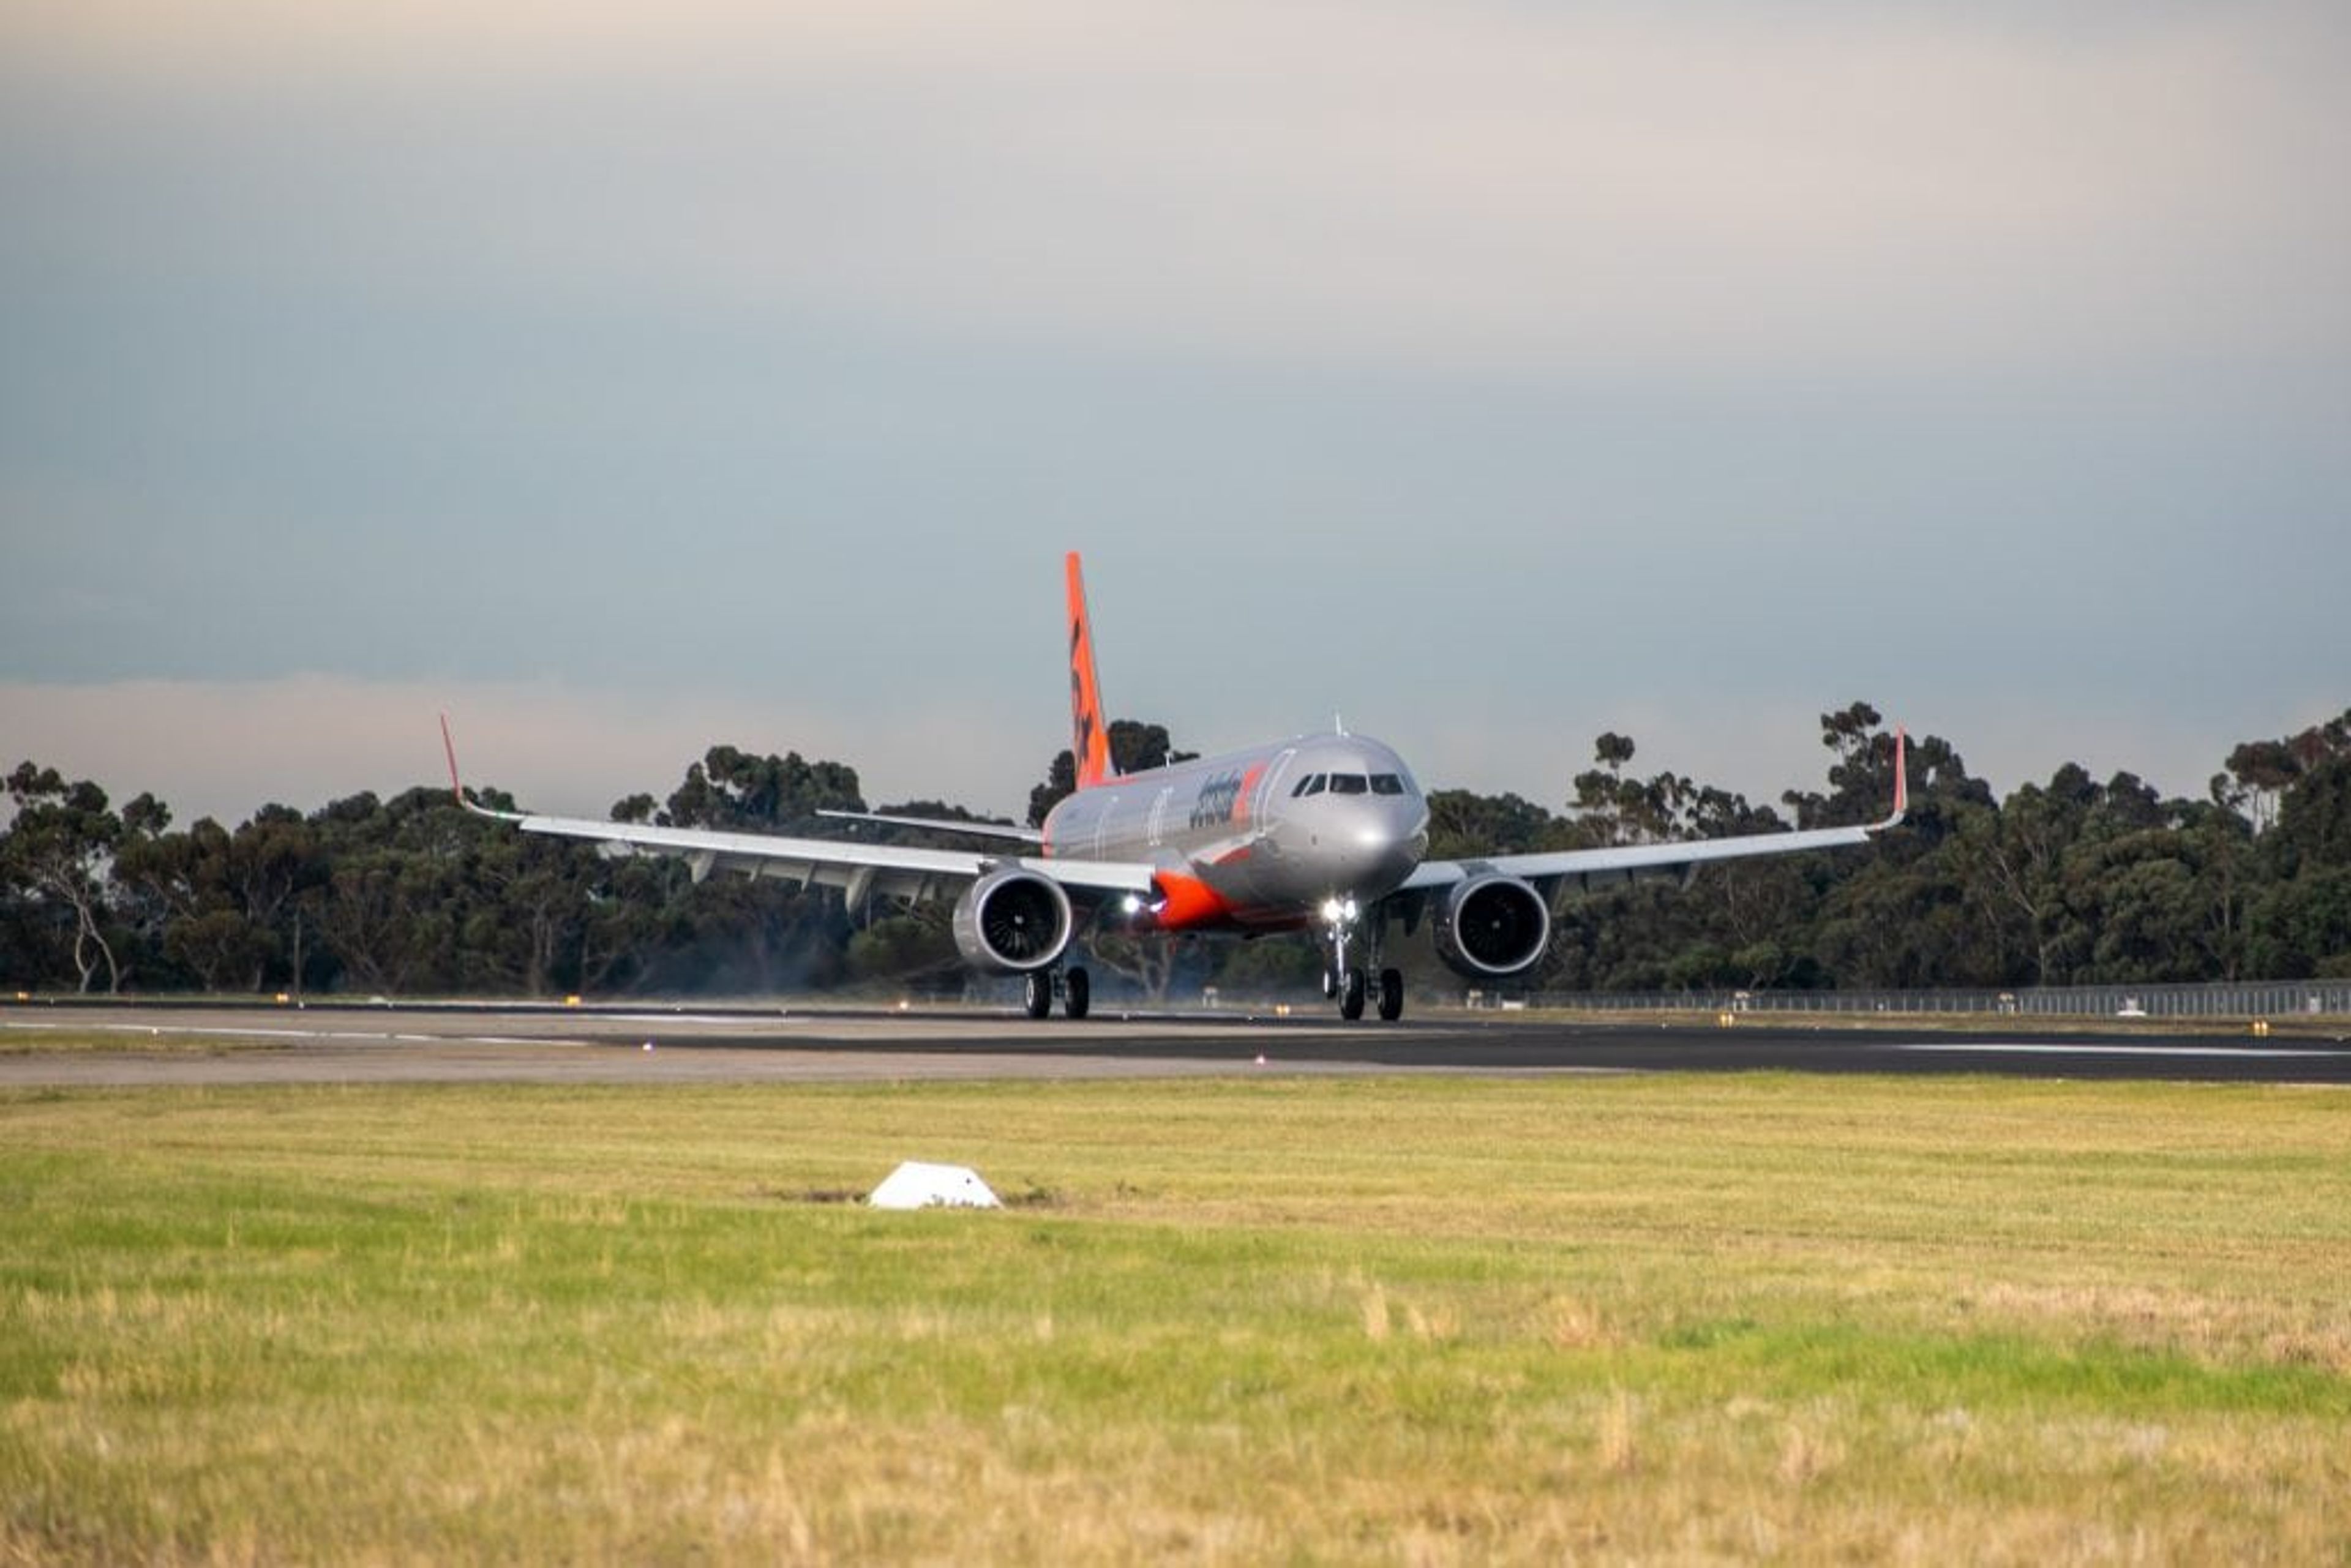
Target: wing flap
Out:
[944,825]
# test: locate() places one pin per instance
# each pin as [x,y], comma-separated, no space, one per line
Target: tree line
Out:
[2074,881]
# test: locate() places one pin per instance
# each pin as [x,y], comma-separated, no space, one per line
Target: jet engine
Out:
[1490,925]
[1012,920]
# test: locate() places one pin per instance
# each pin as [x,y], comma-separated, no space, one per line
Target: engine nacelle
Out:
[1012,920]
[1491,925]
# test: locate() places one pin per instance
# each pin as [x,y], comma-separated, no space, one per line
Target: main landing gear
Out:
[1351,985]
[1071,984]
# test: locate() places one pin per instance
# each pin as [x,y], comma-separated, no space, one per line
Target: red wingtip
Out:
[1901,772]
[450,748]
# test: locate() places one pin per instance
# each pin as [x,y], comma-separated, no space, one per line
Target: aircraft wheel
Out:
[1038,994]
[1390,995]
[1351,997]
[1330,984]
[1077,993]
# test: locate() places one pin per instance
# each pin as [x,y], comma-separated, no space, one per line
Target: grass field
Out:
[1658,1319]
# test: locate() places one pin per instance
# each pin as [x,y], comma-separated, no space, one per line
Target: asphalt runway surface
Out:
[213,1044]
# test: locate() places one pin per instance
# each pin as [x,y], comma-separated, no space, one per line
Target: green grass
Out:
[1425,1321]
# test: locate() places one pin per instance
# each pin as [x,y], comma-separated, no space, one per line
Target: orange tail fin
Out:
[1088,730]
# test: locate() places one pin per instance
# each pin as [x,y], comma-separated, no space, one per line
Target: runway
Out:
[62,1044]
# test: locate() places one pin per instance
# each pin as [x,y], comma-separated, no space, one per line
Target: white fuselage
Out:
[1263,839]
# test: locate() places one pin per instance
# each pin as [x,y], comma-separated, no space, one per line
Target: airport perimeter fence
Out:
[2228,999]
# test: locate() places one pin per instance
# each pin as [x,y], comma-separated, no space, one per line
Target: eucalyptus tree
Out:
[56,860]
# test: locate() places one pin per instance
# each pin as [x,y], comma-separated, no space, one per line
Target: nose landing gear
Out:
[1351,996]
[1350,984]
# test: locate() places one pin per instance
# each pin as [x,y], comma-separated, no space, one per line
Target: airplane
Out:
[1326,834]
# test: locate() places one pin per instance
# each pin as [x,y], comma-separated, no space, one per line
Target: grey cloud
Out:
[1470,362]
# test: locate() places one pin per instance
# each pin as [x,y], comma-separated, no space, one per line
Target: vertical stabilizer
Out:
[1088,730]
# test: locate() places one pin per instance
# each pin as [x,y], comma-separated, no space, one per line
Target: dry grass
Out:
[21,1038]
[1658,1319]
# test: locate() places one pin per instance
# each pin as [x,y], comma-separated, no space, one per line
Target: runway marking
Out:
[503,1039]
[720,1019]
[2037,1047]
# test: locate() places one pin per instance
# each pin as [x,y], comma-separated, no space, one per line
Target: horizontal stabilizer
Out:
[943,825]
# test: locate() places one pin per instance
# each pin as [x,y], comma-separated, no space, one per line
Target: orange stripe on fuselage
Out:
[1186,902]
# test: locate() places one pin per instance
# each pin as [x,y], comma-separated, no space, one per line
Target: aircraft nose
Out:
[1380,839]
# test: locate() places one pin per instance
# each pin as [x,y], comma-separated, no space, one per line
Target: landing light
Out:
[1132,904]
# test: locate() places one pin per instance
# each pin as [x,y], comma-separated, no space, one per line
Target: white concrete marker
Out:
[915,1184]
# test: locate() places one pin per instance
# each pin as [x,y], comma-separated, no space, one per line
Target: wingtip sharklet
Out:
[449,748]
[1901,780]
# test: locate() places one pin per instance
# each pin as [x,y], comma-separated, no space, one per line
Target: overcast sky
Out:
[626,379]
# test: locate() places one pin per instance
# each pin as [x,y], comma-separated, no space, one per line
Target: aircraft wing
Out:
[892,871]
[1600,867]
[861,869]
[1557,870]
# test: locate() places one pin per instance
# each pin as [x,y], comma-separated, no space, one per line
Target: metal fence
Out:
[2242,999]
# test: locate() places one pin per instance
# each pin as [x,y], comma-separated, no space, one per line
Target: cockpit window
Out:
[1354,784]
